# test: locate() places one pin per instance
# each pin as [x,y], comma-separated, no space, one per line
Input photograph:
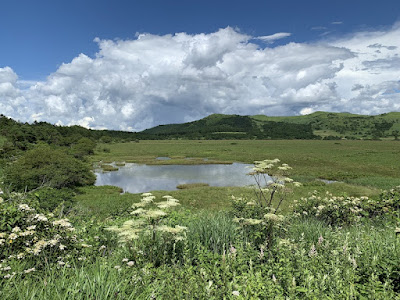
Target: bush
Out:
[34,237]
[347,210]
[46,166]
[83,147]
[331,209]
[50,198]
[388,203]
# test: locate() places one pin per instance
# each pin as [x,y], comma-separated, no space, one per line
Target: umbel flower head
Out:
[147,219]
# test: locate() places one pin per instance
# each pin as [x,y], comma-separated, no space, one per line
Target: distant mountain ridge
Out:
[317,125]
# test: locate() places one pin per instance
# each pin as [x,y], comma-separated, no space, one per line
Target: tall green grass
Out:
[216,232]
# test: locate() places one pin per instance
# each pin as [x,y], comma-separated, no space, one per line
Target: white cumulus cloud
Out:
[150,79]
[273,37]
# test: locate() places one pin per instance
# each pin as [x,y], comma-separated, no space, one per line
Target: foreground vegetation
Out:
[215,257]
[269,242]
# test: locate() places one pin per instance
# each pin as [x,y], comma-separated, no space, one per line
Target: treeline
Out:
[283,130]
[22,135]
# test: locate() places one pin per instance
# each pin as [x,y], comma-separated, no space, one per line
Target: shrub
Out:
[50,198]
[34,237]
[331,209]
[347,210]
[83,147]
[388,203]
[46,166]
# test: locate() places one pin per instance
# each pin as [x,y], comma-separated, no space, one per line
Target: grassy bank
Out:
[105,201]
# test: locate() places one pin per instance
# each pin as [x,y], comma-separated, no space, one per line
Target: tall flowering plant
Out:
[258,217]
[146,234]
[272,182]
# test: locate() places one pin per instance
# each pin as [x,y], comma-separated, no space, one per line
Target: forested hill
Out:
[219,126]
[316,125]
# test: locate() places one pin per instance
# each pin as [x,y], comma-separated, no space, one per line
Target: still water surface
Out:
[136,178]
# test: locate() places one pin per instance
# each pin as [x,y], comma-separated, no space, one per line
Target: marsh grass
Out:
[99,280]
[216,232]
[105,201]
[350,161]
[108,168]
[191,186]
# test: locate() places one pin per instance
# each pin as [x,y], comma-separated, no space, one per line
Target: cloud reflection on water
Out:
[136,178]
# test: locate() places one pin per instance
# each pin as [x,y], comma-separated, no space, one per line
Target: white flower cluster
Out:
[34,233]
[269,218]
[147,220]
[315,205]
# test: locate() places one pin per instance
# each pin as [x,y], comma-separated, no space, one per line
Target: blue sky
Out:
[51,65]
[38,36]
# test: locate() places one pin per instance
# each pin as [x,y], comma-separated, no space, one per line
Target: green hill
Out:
[219,126]
[316,125]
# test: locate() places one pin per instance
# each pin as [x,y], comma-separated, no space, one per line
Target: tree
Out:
[83,147]
[46,166]
[396,134]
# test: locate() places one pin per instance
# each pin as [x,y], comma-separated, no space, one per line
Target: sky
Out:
[131,65]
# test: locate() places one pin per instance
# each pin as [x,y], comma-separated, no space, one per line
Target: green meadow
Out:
[328,241]
[367,163]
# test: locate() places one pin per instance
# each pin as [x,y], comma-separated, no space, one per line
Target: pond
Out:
[135,178]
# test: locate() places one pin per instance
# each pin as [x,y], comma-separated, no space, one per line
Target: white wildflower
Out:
[252,221]
[138,211]
[29,270]
[235,293]
[155,214]
[24,207]
[62,223]
[16,229]
[13,236]
[274,218]
[130,263]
